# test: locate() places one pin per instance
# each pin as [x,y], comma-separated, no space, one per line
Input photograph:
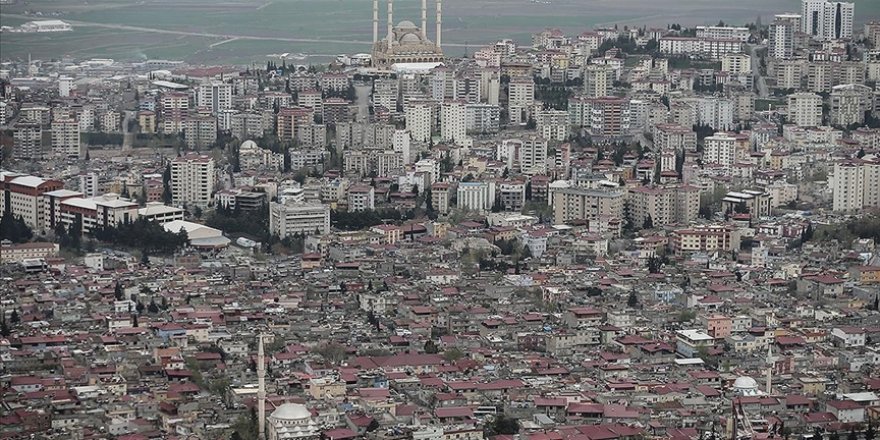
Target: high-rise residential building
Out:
[476,196]
[521,98]
[173,110]
[805,109]
[781,41]
[720,149]
[440,197]
[192,180]
[597,80]
[855,184]
[419,119]
[848,186]
[214,95]
[65,86]
[200,132]
[827,20]
[848,104]
[872,33]
[65,137]
[88,184]
[664,204]
[290,119]
[453,121]
[609,117]
[27,140]
[483,118]
[674,137]
[552,124]
[401,144]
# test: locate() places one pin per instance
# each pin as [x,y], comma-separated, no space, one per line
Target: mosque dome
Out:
[291,411]
[248,145]
[406,24]
[410,39]
[745,385]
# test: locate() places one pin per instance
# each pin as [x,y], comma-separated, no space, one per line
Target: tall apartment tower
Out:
[192,180]
[780,43]
[827,20]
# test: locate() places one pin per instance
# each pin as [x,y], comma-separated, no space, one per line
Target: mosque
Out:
[406,43]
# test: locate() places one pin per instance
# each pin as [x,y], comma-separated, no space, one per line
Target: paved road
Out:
[760,83]
[127,135]
[214,35]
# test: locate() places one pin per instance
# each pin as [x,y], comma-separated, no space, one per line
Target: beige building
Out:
[805,109]
[665,205]
[856,185]
[578,203]
[192,180]
[66,137]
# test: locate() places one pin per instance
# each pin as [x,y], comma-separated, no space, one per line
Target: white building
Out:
[46,26]
[805,109]
[453,122]
[192,180]
[400,142]
[780,43]
[521,98]
[553,124]
[724,32]
[855,185]
[160,213]
[737,63]
[476,196]
[65,85]
[292,421]
[292,215]
[720,149]
[419,120]
[88,184]
[23,196]
[214,95]
[827,20]
[361,198]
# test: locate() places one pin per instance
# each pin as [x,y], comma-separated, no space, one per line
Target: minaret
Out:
[439,21]
[390,22]
[261,389]
[375,21]
[769,369]
[424,20]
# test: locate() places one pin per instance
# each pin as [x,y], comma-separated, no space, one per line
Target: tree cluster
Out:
[15,229]
[235,221]
[355,221]
[143,234]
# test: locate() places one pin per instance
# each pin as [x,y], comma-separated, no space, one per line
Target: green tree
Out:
[431,347]
[632,300]
[14,318]
[648,223]
[503,425]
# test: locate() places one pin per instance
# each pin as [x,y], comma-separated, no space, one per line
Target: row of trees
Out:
[354,221]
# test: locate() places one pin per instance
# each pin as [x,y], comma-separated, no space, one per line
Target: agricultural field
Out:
[245,31]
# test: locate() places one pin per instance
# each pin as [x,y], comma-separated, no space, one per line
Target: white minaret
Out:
[375,21]
[439,21]
[390,22]
[769,369]
[261,389]
[424,20]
